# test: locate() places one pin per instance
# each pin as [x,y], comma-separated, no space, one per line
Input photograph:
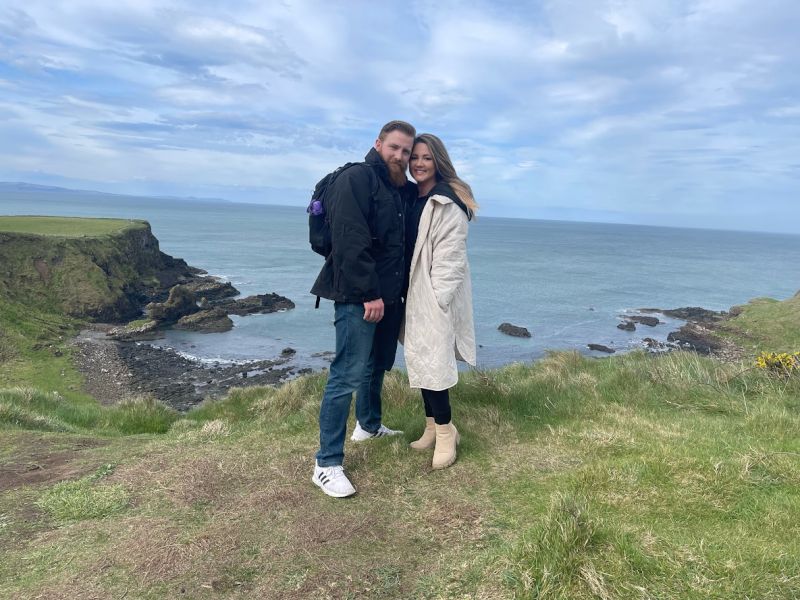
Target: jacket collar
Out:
[442,188]
[422,232]
[444,194]
[374,160]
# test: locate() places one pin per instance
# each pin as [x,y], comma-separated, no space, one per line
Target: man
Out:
[363,275]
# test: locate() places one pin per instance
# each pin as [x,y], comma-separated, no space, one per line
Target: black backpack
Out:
[319,226]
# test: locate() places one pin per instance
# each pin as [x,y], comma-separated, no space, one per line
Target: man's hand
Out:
[373,310]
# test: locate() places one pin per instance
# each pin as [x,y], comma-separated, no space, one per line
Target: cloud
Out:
[608,108]
[785,112]
[14,23]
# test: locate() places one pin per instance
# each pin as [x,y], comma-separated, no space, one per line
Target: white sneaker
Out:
[333,481]
[359,434]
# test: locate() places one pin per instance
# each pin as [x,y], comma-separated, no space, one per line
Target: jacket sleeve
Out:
[353,263]
[449,261]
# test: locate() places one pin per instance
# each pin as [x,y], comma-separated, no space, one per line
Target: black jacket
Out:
[366,214]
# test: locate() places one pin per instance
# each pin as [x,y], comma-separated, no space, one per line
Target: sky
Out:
[661,112]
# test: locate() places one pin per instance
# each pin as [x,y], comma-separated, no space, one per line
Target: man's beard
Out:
[397,174]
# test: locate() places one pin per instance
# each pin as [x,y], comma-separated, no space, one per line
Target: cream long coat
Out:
[438,327]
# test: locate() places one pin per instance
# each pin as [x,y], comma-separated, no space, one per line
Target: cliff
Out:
[101,269]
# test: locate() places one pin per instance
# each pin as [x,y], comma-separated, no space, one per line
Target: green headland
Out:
[639,476]
[66,226]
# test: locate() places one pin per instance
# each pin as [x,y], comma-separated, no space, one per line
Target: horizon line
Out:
[208,200]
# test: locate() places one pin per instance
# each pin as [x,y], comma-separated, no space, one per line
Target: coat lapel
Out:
[425,221]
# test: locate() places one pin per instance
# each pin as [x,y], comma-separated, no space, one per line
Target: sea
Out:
[568,283]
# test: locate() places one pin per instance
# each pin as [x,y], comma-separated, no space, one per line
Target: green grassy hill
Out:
[56,272]
[95,268]
[767,324]
[630,477]
[69,227]
[636,476]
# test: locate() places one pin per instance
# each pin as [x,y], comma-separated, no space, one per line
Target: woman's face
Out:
[421,164]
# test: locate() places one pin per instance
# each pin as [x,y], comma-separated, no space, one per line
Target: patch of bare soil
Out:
[39,462]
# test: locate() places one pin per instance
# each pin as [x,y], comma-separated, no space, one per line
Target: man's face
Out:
[395,150]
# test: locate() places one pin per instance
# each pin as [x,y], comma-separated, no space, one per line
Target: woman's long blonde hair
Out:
[445,171]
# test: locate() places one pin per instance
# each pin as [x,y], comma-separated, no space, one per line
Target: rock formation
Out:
[600,348]
[514,330]
[208,321]
[180,303]
[113,278]
[649,321]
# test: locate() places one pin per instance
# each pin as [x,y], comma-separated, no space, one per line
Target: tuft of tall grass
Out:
[30,408]
[246,404]
[554,558]
[19,417]
[140,415]
[87,498]
[8,351]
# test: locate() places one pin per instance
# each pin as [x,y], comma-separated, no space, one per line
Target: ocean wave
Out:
[193,357]
[206,360]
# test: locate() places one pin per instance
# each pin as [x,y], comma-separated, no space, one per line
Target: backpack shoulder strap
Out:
[375,186]
[373,180]
[343,168]
[323,184]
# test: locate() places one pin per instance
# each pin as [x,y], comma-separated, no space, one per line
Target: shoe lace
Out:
[334,472]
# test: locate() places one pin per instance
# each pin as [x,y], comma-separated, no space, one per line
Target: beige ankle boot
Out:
[428,438]
[447,439]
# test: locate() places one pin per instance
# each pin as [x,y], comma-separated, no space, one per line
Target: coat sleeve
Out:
[351,237]
[449,260]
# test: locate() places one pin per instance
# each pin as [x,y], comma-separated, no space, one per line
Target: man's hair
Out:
[391,126]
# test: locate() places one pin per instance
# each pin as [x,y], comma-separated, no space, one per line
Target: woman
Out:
[438,326]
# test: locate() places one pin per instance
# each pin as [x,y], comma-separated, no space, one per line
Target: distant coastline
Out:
[299,200]
[21,187]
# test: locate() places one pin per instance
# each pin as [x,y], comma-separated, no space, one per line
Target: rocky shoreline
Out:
[698,333]
[202,303]
[117,365]
[116,371]
[159,292]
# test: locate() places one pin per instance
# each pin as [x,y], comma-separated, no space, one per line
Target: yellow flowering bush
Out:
[781,362]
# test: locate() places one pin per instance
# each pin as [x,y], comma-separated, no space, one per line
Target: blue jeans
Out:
[352,370]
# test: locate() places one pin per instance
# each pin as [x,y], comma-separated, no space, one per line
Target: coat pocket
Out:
[432,298]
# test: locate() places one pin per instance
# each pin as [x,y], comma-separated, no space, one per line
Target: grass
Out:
[29,408]
[35,350]
[65,226]
[767,324]
[71,501]
[630,477]
[635,476]
[74,266]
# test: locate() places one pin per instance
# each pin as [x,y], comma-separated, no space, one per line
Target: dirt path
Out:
[38,461]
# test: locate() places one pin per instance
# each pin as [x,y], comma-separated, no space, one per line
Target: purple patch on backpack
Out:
[316,208]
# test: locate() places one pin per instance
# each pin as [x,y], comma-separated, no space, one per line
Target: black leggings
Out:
[437,405]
